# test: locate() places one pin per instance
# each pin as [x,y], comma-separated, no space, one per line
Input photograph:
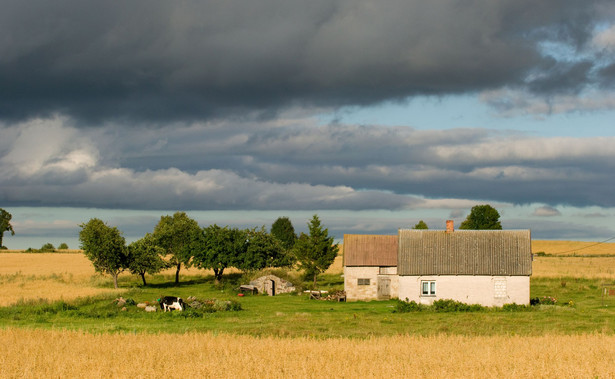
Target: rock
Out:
[150,308]
[141,305]
[124,309]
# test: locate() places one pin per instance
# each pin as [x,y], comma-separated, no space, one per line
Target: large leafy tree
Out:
[283,230]
[482,217]
[263,250]
[105,247]
[5,224]
[175,234]
[217,248]
[145,257]
[315,252]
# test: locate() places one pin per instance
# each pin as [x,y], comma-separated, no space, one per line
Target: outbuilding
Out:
[370,267]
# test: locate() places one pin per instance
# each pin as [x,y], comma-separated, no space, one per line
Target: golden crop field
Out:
[573,248]
[66,354]
[574,267]
[54,276]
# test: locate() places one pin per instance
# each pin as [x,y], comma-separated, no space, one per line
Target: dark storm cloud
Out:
[298,165]
[157,60]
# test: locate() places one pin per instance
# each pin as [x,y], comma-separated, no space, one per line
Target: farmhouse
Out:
[487,267]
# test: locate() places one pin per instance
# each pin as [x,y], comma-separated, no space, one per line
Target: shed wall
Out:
[355,292]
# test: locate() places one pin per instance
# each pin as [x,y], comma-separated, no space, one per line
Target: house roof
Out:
[370,250]
[465,252]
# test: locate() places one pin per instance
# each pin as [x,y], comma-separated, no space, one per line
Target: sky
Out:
[373,115]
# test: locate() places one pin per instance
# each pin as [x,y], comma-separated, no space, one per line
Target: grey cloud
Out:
[159,61]
[301,166]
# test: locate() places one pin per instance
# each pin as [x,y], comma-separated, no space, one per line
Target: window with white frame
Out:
[363,282]
[428,288]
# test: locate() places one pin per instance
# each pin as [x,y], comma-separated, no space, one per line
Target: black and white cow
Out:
[168,303]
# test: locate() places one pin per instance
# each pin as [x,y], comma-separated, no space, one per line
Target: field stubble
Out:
[27,353]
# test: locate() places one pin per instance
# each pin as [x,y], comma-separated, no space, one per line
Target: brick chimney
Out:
[450,226]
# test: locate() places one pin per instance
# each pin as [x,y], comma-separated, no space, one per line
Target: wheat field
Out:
[64,354]
[559,248]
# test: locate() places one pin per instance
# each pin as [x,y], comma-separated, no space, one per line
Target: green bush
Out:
[48,247]
[408,306]
[449,305]
[63,246]
[514,307]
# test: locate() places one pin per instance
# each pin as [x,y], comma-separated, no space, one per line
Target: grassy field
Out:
[64,323]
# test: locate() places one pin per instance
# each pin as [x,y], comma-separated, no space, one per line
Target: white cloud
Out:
[546,211]
[605,39]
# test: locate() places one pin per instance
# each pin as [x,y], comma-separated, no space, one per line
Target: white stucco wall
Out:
[483,290]
[367,292]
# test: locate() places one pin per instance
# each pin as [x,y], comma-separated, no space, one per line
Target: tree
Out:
[48,247]
[174,234]
[105,247]
[315,252]
[217,248]
[482,217]
[420,225]
[5,224]
[283,230]
[145,257]
[263,250]
[63,246]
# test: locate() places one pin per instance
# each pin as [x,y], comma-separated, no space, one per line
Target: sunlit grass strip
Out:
[20,288]
[37,353]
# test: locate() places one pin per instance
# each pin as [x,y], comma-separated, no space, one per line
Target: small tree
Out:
[105,247]
[174,234]
[48,247]
[283,230]
[217,248]
[5,224]
[63,246]
[315,252]
[145,257]
[482,217]
[420,225]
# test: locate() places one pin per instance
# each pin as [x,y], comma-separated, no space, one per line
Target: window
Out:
[363,282]
[428,288]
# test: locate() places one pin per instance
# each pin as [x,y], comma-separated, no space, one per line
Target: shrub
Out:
[63,246]
[548,300]
[408,306]
[514,307]
[449,305]
[545,300]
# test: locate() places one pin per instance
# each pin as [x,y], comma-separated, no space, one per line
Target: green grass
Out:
[297,315]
